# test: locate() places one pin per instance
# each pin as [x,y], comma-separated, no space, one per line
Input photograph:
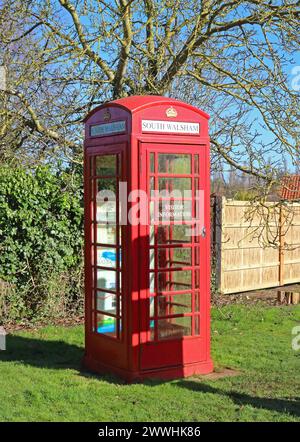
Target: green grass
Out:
[41,379]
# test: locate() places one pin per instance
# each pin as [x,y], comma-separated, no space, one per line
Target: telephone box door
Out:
[105,287]
[174,249]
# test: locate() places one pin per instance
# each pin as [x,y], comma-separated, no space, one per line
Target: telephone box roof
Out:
[135,103]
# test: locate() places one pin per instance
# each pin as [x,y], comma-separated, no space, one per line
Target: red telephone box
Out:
[147,230]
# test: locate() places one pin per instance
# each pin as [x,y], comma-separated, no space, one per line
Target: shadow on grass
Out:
[61,355]
[58,355]
[242,399]
[42,353]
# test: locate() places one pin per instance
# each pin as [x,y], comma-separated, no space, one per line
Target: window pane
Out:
[151,306]
[107,257]
[106,165]
[107,184]
[106,200]
[197,302]
[174,305]
[107,302]
[173,281]
[152,183]
[152,234]
[175,211]
[196,163]
[151,259]
[151,325]
[197,279]
[174,257]
[197,325]
[92,232]
[174,328]
[107,234]
[152,282]
[106,325]
[152,163]
[106,189]
[174,163]
[107,279]
[197,256]
[175,184]
[106,212]
[173,234]
[153,208]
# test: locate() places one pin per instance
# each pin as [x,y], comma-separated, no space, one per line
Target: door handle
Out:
[203,232]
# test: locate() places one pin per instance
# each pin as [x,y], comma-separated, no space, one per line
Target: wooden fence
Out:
[255,246]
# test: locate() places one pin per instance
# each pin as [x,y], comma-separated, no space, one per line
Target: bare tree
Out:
[231,58]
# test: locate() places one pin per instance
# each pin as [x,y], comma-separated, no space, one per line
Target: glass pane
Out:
[197,256]
[152,184]
[93,277]
[197,230]
[197,279]
[107,184]
[173,281]
[196,163]
[197,325]
[152,163]
[197,302]
[107,257]
[151,306]
[106,234]
[107,302]
[175,184]
[92,232]
[174,163]
[175,211]
[106,165]
[174,257]
[174,305]
[173,234]
[106,325]
[106,212]
[152,234]
[174,327]
[153,208]
[107,279]
[151,259]
[151,325]
[106,200]
[152,282]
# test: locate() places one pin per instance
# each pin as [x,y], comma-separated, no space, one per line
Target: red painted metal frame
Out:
[188,350]
[132,356]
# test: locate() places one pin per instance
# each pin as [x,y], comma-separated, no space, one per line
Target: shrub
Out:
[41,238]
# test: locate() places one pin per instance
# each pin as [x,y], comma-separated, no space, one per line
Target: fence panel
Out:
[256,246]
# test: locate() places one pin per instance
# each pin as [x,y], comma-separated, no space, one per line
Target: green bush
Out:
[41,238]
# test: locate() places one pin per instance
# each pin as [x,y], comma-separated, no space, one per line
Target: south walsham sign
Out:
[181,127]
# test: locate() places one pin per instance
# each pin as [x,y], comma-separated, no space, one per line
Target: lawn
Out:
[41,379]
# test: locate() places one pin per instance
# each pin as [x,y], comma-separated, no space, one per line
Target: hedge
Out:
[41,239]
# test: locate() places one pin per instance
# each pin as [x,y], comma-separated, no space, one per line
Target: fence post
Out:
[220,206]
[281,245]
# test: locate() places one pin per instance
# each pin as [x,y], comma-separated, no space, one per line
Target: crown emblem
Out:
[171,112]
[106,115]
